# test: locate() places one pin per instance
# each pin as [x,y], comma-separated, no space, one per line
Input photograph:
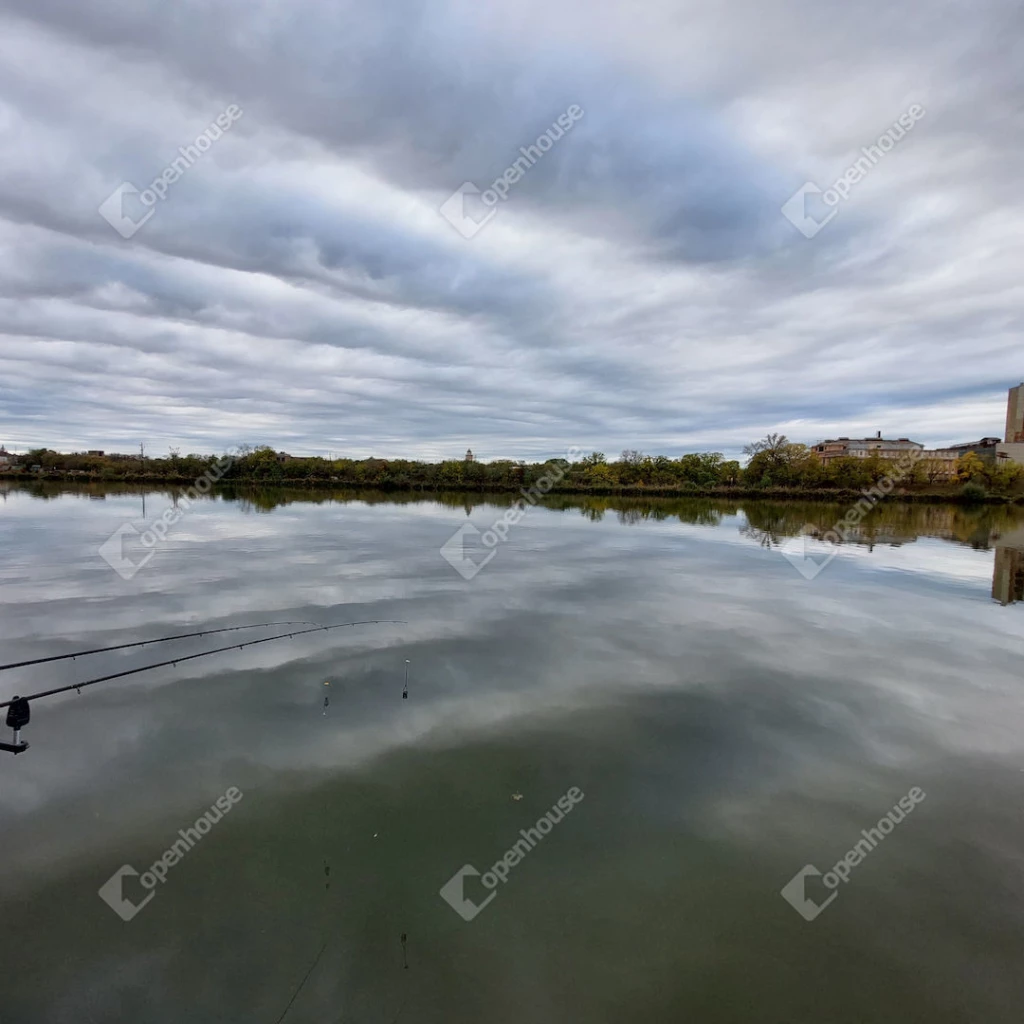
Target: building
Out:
[937,463]
[985,449]
[470,457]
[826,451]
[861,448]
[989,449]
[1015,415]
[1013,447]
[6,458]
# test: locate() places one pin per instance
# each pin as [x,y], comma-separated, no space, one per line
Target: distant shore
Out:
[934,495]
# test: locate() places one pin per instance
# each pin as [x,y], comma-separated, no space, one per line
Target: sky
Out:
[299,283]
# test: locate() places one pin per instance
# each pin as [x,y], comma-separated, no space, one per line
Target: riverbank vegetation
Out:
[776,467]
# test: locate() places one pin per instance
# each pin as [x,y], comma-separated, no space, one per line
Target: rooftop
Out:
[867,440]
[985,442]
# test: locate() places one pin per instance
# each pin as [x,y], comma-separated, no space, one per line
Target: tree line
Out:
[774,464]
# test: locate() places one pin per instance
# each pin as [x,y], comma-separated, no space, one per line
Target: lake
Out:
[776,780]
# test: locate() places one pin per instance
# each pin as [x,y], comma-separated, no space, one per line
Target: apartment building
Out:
[861,448]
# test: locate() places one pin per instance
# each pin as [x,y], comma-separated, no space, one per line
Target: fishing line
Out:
[157,640]
[190,657]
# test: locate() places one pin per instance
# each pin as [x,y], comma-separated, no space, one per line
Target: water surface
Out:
[727,720]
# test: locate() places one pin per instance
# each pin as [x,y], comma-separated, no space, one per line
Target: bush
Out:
[973,492]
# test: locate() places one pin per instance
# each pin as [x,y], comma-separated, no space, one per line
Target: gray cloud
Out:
[639,287]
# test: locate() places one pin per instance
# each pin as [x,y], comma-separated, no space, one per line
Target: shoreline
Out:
[828,496]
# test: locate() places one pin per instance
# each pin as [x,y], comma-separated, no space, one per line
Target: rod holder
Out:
[18,716]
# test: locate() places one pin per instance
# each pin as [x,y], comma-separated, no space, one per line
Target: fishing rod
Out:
[157,640]
[19,712]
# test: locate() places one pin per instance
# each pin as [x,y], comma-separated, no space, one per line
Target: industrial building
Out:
[941,461]
[1013,446]
[849,447]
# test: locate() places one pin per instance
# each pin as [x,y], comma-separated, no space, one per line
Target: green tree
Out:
[775,461]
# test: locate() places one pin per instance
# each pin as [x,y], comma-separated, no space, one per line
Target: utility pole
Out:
[142,456]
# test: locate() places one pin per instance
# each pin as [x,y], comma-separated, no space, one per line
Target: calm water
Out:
[727,721]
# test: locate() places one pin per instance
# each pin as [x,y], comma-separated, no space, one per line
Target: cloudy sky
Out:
[638,287]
